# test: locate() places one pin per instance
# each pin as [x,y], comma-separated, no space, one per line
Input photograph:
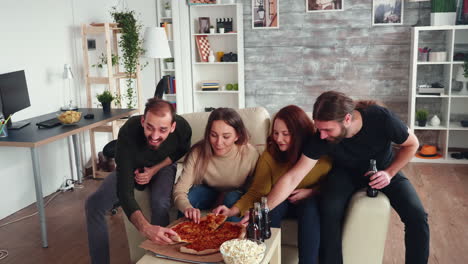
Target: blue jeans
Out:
[308,220]
[204,197]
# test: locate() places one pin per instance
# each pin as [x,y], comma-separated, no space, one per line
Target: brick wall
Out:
[314,52]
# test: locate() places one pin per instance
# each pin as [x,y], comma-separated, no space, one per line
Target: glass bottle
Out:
[266,234]
[253,232]
[259,220]
[371,192]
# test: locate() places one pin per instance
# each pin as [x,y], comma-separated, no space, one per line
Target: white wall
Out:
[40,37]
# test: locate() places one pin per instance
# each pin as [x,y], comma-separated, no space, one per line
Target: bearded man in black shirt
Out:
[147,148]
[352,133]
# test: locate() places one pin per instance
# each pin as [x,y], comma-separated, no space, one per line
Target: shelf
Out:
[431,96]
[211,5]
[434,62]
[170,95]
[215,63]
[166,18]
[457,126]
[452,160]
[219,92]
[440,160]
[459,62]
[459,95]
[168,70]
[215,34]
[429,127]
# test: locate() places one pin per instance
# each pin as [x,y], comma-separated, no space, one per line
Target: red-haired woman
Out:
[291,127]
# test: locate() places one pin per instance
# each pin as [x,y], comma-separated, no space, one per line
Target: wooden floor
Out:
[442,188]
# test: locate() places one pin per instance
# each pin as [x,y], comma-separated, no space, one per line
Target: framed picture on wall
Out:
[387,12]
[203,25]
[324,5]
[265,14]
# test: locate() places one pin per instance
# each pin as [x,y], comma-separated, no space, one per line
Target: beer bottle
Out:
[253,231]
[266,219]
[371,192]
[259,221]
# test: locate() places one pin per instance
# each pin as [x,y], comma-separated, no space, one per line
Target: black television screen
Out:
[14,94]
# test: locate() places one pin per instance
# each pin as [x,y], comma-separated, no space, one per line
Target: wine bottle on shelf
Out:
[371,192]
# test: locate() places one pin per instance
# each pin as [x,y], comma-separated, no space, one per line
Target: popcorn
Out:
[242,251]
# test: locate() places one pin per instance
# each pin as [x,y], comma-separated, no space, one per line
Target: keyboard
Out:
[49,123]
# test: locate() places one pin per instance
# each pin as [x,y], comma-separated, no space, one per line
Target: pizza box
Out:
[172,252]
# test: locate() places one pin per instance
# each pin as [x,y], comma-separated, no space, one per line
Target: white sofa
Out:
[366,223]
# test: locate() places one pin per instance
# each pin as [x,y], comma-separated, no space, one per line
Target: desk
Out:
[272,252]
[32,137]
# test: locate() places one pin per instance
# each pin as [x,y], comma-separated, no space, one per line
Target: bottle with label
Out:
[371,192]
[3,126]
[266,232]
[211,57]
[253,232]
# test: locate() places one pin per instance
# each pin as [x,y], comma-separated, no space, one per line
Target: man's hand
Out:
[379,180]
[145,176]
[158,234]
[300,194]
[193,214]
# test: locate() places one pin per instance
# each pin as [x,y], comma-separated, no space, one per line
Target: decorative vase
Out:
[212,30]
[442,19]
[102,71]
[168,13]
[422,123]
[211,58]
[221,30]
[435,121]
[460,77]
[170,65]
[106,107]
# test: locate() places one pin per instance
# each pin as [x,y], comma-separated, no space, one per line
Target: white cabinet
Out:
[451,105]
[218,72]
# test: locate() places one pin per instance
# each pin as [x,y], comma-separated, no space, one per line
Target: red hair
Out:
[300,127]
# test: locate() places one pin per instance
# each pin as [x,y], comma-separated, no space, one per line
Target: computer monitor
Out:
[13,96]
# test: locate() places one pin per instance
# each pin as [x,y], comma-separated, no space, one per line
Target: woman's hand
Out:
[193,214]
[245,219]
[224,210]
[300,194]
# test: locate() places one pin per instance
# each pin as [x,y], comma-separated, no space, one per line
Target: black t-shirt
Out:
[380,127]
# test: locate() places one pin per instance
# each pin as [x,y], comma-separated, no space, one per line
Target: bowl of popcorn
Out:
[69,117]
[243,251]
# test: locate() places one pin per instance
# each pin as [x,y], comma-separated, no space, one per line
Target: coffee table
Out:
[272,253]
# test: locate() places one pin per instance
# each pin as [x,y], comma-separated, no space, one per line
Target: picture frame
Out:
[265,14]
[324,5]
[203,25]
[201,2]
[387,12]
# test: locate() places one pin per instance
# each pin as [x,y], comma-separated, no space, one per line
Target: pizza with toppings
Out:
[207,236]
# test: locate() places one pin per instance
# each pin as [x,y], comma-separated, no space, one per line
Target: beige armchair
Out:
[366,223]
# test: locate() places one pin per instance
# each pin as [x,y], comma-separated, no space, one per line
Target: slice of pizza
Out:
[187,231]
[215,221]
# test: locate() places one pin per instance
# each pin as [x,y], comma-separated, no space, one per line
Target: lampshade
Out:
[459,77]
[67,73]
[155,43]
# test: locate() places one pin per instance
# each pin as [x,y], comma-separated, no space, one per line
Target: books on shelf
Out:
[168,28]
[209,85]
[431,91]
[171,84]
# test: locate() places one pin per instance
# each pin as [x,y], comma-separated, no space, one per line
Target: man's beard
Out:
[340,137]
[151,146]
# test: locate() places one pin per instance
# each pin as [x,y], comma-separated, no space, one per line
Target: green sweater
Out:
[133,152]
[268,172]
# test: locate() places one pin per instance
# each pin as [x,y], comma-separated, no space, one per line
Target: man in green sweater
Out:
[147,148]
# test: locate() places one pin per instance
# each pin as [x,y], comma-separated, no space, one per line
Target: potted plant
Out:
[212,29]
[169,63]
[132,47]
[102,62]
[167,9]
[221,29]
[443,12]
[421,117]
[105,98]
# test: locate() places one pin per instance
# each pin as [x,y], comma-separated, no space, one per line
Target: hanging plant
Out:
[131,45]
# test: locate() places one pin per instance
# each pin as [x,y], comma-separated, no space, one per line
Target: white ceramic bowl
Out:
[243,251]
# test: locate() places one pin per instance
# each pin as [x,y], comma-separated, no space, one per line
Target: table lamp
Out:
[157,47]
[460,77]
[68,75]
